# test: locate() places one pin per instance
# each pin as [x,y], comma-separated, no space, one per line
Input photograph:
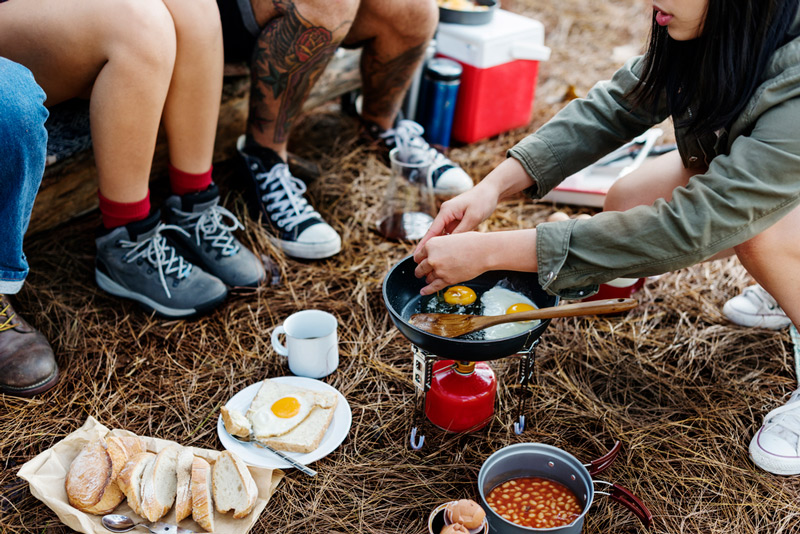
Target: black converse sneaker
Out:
[277,198]
[209,241]
[448,179]
[136,262]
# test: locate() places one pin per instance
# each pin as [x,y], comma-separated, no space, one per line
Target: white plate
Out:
[254,455]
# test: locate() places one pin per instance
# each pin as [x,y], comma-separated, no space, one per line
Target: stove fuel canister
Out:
[461,396]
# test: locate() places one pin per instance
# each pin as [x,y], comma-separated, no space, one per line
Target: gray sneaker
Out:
[136,262]
[208,239]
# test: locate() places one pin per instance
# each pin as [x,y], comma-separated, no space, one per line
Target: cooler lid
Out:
[506,38]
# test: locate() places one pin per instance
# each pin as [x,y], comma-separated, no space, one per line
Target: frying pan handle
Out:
[632,503]
[596,467]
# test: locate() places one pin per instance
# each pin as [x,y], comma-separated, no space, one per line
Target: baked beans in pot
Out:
[558,475]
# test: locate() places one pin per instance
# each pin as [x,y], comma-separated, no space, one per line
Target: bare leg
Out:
[121,54]
[192,107]
[297,42]
[773,259]
[395,34]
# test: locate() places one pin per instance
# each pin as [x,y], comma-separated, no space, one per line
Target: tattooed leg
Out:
[296,43]
[395,34]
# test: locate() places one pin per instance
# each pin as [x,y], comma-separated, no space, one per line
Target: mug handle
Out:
[276,344]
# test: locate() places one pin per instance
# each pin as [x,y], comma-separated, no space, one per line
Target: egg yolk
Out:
[519,307]
[461,295]
[286,407]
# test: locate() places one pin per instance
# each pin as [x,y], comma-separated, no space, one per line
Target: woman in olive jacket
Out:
[728,73]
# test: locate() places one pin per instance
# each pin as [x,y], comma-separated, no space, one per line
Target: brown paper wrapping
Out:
[46,472]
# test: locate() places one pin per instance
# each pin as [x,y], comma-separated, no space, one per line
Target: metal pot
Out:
[401,296]
[546,461]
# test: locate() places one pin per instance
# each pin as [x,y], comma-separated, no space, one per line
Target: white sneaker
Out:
[776,446]
[755,308]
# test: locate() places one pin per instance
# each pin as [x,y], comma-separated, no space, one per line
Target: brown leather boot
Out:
[27,364]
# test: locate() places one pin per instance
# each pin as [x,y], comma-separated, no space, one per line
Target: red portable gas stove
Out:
[456,387]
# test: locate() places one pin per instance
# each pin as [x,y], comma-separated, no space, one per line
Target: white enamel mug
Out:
[312,344]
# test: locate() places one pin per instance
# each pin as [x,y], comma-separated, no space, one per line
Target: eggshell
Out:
[455,528]
[557,216]
[466,512]
[583,216]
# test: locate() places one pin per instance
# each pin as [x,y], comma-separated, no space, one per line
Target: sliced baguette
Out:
[307,436]
[202,504]
[235,422]
[234,487]
[90,482]
[183,494]
[130,479]
[159,484]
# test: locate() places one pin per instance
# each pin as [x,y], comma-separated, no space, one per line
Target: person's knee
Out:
[23,113]
[619,197]
[145,36]
[333,15]
[414,20]
[196,18]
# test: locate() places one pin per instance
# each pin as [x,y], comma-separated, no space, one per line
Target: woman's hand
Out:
[466,211]
[450,259]
[447,260]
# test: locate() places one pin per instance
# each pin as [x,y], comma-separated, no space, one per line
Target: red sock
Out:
[117,214]
[183,182]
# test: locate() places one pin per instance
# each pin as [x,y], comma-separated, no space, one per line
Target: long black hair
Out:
[716,73]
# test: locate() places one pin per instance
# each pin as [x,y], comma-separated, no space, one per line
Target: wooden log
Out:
[69,187]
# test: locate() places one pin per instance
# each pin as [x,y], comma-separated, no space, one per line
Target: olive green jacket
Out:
[753,180]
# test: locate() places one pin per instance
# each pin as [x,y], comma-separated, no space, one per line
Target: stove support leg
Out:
[526,367]
[423,372]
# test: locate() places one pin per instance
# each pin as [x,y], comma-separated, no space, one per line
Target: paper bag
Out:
[46,472]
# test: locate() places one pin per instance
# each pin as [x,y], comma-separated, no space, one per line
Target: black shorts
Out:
[238,40]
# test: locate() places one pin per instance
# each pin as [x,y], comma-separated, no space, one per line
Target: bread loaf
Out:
[130,479]
[90,481]
[183,493]
[234,487]
[159,484]
[202,504]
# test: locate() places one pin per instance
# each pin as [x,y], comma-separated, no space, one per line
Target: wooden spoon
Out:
[454,325]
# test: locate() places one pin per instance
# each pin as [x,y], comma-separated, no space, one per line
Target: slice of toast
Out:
[307,436]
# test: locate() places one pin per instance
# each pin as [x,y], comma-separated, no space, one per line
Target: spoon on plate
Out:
[123,523]
[454,325]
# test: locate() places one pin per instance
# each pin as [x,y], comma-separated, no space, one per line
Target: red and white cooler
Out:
[501,65]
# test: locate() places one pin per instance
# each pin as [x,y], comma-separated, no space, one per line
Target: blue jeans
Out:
[23,149]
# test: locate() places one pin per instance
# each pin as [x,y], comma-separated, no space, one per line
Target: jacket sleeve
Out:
[741,195]
[585,130]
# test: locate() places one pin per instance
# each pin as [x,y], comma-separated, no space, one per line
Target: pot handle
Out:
[629,501]
[604,462]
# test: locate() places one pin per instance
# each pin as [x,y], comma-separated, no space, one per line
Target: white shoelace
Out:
[759,296]
[158,253]
[784,421]
[283,197]
[209,225]
[408,138]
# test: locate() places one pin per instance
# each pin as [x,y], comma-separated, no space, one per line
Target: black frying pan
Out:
[401,291]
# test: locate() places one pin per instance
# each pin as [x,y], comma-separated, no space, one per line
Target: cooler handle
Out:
[595,467]
[530,51]
[630,501]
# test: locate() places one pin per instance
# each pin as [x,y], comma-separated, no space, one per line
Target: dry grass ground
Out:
[681,388]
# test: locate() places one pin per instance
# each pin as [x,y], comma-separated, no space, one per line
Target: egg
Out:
[460,295]
[466,512]
[501,301]
[557,216]
[455,528]
[282,410]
